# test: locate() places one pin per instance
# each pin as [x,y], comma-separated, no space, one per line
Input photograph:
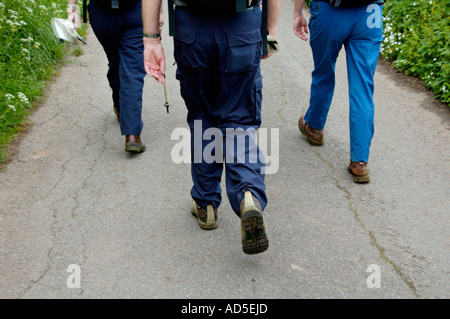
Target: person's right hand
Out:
[301,27]
[154,59]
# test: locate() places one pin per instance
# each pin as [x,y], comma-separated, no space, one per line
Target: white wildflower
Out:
[23,98]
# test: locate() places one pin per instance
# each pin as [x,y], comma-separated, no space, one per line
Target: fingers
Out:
[163,70]
[300,33]
[301,28]
[154,60]
[155,70]
[155,73]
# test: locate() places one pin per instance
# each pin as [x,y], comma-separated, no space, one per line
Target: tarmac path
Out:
[71,195]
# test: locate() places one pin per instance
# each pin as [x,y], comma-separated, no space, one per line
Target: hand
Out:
[154,59]
[74,18]
[272,46]
[301,27]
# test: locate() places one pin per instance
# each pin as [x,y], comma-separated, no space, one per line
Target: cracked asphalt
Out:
[71,195]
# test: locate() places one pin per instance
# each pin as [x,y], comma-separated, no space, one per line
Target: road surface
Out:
[72,196]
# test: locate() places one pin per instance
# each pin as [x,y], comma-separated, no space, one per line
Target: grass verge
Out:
[30,56]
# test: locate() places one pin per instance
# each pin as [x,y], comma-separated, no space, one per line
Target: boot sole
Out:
[310,140]
[359,179]
[134,148]
[252,223]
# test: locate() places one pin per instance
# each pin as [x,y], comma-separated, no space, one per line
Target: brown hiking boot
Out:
[134,144]
[315,137]
[360,172]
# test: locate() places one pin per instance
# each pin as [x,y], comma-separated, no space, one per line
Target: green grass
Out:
[29,56]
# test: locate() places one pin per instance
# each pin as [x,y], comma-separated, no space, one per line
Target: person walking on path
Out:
[356,25]
[218,54]
[118,27]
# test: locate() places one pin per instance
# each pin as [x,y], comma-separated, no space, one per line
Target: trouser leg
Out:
[244,164]
[206,161]
[328,32]
[361,63]
[106,29]
[132,72]
[362,51]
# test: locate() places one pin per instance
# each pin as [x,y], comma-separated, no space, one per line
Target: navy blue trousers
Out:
[218,65]
[120,34]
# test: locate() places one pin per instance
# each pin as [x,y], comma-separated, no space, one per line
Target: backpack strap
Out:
[264,27]
[171,10]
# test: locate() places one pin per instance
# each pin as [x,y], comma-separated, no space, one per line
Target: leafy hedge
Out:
[417,39]
[29,55]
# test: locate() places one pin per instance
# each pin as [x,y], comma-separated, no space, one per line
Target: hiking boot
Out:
[206,217]
[254,235]
[133,144]
[360,172]
[315,137]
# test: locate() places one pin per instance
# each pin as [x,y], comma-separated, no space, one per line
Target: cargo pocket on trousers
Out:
[184,48]
[257,98]
[244,51]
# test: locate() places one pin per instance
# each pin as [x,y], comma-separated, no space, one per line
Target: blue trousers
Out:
[359,30]
[120,34]
[218,59]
